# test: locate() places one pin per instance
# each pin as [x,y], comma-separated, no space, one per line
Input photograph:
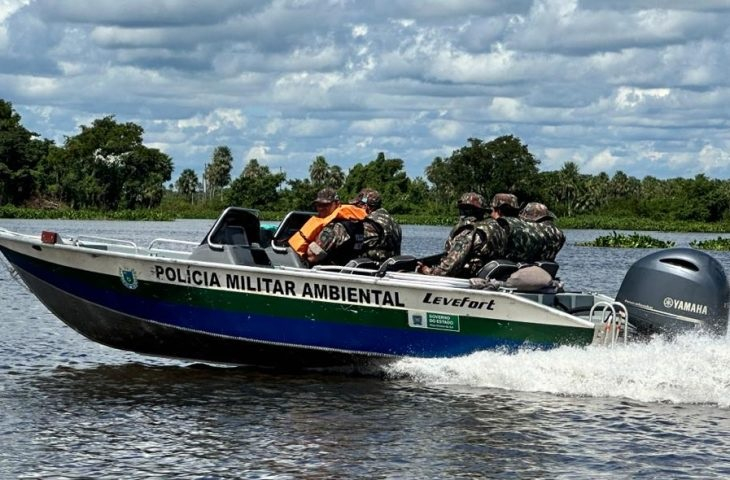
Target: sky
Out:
[640,86]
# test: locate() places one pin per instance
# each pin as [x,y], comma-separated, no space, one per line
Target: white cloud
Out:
[603,161]
[640,86]
[375,126]
[215,120]
[259,152]
[627,97]
[446,130]
[714,160]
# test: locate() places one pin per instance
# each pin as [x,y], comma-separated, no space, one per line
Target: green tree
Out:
[146,170]
[218,173]
[383,174]
[321,174]
[20,154]
[570,186]
[594,194]
[107,166]
[501,165]
[187,184]
[298,195]
[256,187]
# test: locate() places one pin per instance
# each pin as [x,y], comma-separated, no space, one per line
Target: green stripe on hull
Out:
[326,311]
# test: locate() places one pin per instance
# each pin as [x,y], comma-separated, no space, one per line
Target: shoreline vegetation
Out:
[107,172]
[583,222]
[579,221]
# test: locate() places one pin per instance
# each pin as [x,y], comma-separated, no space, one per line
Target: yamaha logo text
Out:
[685,306]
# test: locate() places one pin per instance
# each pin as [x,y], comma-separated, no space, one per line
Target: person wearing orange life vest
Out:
[335,236]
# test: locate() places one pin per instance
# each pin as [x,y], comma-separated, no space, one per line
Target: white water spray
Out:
[689,369]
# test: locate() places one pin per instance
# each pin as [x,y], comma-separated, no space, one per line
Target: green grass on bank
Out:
[590,222]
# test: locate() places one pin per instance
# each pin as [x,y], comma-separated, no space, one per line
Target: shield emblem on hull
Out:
[129,277]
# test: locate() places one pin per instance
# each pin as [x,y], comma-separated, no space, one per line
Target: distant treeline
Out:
[106,168]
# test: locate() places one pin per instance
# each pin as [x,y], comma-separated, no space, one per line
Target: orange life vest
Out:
[310,230]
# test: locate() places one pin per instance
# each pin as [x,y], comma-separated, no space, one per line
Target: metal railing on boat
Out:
[94,241]
[409,277]
[154,248]
[612,320]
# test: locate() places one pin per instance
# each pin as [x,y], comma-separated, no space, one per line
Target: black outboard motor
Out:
[676,290]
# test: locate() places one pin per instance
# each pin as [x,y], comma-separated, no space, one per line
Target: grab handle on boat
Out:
[614,319]
[79,243]
[153,243]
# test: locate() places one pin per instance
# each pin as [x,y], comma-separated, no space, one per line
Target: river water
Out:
[75,409]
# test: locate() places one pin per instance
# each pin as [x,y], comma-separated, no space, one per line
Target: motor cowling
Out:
[675,290]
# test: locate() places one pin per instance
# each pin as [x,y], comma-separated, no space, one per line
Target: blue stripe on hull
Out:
[400,341]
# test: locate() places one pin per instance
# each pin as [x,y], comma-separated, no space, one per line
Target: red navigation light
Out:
[49,237]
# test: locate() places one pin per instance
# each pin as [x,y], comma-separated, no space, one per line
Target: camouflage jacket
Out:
[471,244]
[529,242]
[552,238]
[382,236]
[340,241]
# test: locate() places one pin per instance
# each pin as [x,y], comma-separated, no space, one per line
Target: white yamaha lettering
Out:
[685,306]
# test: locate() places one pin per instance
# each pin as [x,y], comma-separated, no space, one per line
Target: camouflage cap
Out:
[505,199]
[535,211]
[369,197]
[327,195]
[473,199]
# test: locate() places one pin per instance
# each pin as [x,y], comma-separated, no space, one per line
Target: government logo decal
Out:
[129,277]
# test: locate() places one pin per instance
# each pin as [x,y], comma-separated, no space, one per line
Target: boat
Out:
[241,296]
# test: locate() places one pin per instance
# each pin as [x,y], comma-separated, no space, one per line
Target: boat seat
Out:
[498,269]
[234,235]
[290,225]
[501,269]
[232,255]
[399,263]
[285,257]
[362,262]
[549,266]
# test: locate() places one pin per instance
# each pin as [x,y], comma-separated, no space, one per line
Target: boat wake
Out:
[689,369]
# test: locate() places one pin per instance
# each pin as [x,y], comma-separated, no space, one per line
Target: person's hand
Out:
[423,268]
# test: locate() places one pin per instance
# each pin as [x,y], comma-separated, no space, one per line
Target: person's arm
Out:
[455,258]
[329,238]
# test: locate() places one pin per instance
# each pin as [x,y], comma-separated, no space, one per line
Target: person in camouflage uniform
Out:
[382,233]
[552,238]
[472,243]
[339,241]
[524,239]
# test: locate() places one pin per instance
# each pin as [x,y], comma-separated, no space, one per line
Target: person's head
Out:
[536,212]
[471,204]
[504,205]
[326,202]
[369,199]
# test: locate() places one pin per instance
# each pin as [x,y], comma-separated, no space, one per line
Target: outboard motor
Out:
[676,290]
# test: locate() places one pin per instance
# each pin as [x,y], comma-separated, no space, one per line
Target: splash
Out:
[688,369]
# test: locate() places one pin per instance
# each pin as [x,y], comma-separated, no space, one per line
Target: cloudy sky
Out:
[641,86]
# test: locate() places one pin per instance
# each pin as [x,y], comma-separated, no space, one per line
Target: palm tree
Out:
[319,171]
[570,185]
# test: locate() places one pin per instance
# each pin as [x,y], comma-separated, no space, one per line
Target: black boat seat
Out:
[362,262]
[399,263]
[234,235]
[233,240]
[498,269]
[501,269]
